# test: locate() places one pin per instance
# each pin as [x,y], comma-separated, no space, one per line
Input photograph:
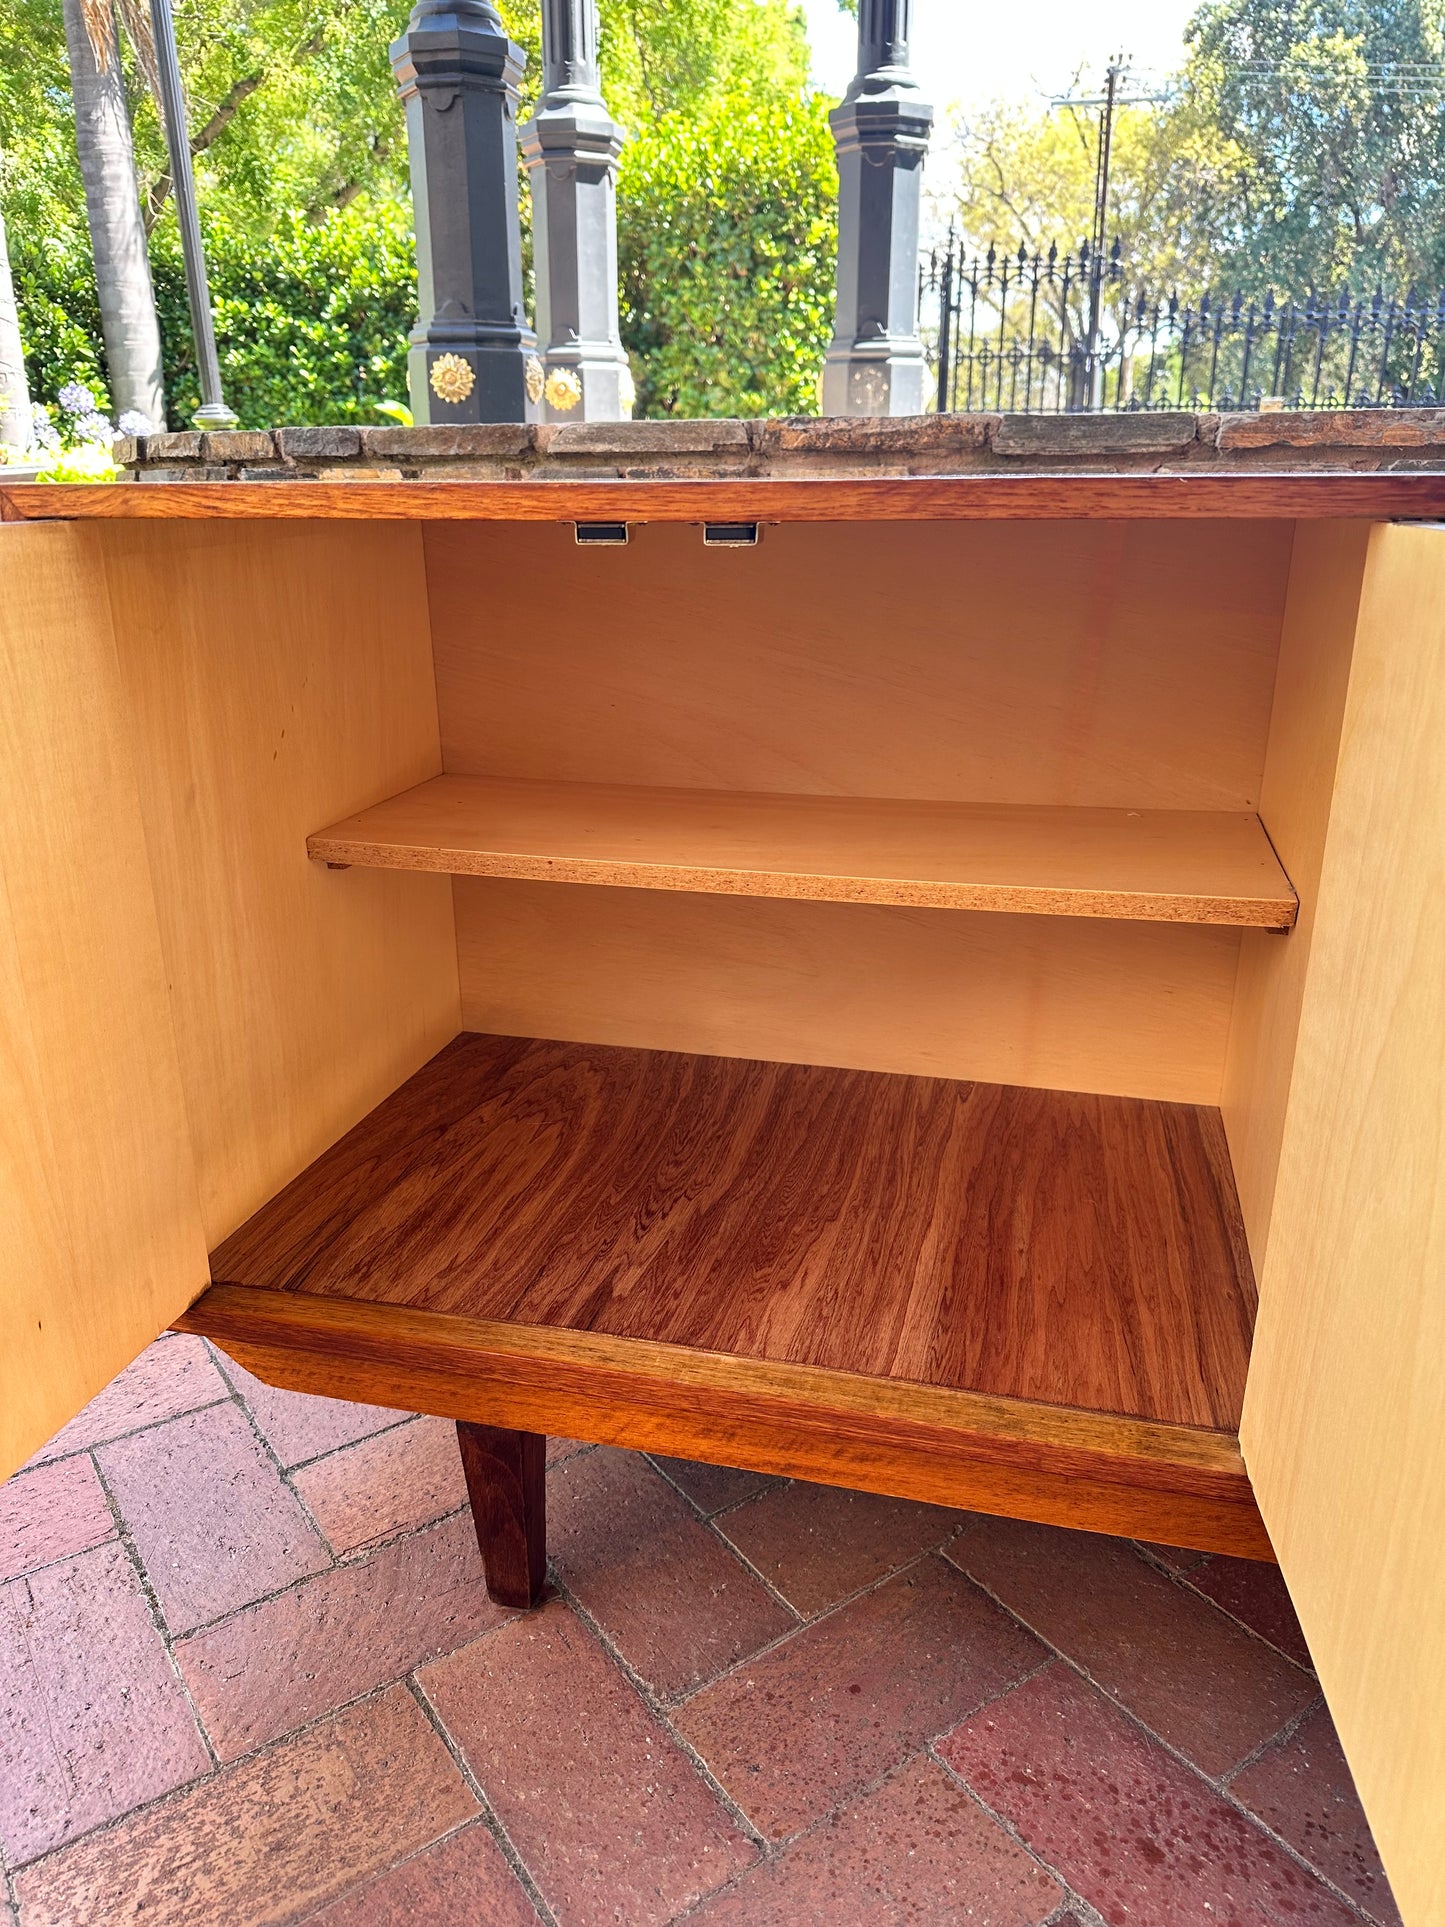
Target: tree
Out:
[1028,177]
[14,391]
[1336,109]
[117,231]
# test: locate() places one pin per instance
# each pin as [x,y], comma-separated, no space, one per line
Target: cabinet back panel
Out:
[1107,663]
[100,1231]
[1065,1003]
[279,673]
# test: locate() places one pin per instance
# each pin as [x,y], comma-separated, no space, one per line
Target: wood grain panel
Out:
[1168,866]
[1326,575]
[279,677]
[1344,1423]
[1172,1483]
[1073,1249]
[1138,1010]
[1118,666]
[100,1226]
[857,498]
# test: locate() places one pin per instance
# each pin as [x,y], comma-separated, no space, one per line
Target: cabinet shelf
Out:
[986,1294]
[1173,866]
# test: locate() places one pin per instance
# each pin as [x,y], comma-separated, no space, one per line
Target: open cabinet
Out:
[945,998]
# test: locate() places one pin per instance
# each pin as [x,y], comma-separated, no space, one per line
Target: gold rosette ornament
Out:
[564,391]
[535,378]
[452,378]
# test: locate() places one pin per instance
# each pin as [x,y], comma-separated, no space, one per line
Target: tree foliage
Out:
[1303,147]
[302,178]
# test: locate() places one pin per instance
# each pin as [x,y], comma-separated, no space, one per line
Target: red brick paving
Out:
[1199,1681]
[172,1376]
[1255,1595]
[273,1666]
[94,1722]
[364,1817]
[464,1879]
[614,1820]
[1303,1790]
[806,1726]
[711,1487]
[50,1513]
[664,1589]
[817,1544]
[918,1851]
[1130,1829]
[297,1428]
[392,1482]
[213,1522]
[268,1840]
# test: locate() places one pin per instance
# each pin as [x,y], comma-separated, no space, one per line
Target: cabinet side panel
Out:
[100,1227]
[1299,773]
[1062,1003]
[1108,663]
[280,672]
[1344,1418]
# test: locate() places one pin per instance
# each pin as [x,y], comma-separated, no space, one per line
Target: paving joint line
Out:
[487,1814]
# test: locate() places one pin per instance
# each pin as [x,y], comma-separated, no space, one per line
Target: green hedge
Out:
[726,237]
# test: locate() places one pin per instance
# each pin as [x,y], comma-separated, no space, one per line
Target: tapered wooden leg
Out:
[507,1485]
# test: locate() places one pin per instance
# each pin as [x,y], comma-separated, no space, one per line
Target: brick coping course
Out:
[1339,441]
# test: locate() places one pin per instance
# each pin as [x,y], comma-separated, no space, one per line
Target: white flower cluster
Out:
[133,422]
[43,432]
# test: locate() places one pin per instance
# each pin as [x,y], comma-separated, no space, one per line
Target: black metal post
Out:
[473,357]
[213,412]
[875,363]
[571,146]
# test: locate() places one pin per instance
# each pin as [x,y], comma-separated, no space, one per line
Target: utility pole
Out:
[213,412]
[1108,104]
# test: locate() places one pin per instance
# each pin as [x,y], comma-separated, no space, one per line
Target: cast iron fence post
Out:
[571,146]
[473,358]
[875,363]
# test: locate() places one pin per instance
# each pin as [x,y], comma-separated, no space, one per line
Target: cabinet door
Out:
[100,1230]
[1344,1420]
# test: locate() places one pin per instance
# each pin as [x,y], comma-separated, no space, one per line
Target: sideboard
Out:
[933,985]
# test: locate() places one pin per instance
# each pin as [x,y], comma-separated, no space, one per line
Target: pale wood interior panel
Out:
[1299,771]
[280,674]
[1136,1010]
[100,1226]
[1344,1417]
[1124,665]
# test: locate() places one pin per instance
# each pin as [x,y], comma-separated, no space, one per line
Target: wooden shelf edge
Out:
[395,835]
[1067,497]
[1098,1471]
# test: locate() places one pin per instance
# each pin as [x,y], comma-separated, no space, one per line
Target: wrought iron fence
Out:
[1056,333]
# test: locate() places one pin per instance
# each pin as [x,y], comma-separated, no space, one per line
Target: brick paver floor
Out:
[250,1675]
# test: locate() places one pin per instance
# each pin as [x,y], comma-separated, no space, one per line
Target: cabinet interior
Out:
[912,917]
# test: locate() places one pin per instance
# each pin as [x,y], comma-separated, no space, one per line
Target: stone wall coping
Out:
[1348,440]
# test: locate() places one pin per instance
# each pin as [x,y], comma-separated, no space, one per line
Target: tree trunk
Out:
[117,232]
[14,395]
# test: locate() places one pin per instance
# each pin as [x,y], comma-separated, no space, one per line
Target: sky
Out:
[968,51]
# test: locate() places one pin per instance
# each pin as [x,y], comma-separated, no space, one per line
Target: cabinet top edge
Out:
[1077,497]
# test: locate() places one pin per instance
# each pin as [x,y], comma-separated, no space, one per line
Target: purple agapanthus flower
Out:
[76,399]
[133,422]
[95,427]
[42,429]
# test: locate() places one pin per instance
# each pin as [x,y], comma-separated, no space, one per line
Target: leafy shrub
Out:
[727,237]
